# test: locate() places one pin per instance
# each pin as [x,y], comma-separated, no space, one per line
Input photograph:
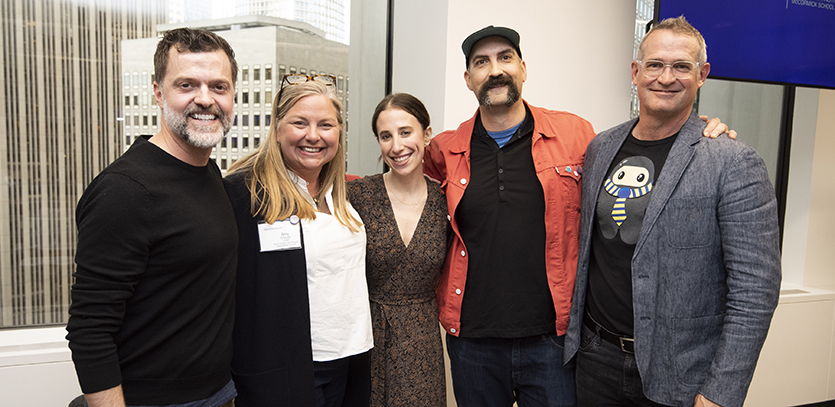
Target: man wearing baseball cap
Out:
[511,175]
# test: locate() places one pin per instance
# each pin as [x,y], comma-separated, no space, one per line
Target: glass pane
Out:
[754,110]
[53,149]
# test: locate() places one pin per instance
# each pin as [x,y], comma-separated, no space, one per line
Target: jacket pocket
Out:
[694,345]
[568,176]
[690,222]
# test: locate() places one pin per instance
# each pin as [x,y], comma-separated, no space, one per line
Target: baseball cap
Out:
[507,33]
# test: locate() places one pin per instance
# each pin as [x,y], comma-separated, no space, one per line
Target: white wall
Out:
[577,54]
[819,270]
[36,368]
[796,223]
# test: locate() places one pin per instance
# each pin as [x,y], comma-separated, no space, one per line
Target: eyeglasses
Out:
[680,69]
[295,79]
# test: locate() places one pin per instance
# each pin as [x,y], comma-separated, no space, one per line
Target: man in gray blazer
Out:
[679,264]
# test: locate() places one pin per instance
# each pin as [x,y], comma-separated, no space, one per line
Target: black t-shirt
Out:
[619,215]
[502,222]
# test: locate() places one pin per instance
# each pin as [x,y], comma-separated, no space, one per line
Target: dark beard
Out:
[502,80]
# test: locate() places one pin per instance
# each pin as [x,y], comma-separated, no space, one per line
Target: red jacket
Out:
[558,146]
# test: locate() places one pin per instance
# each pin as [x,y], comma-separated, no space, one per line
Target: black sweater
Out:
[153,302]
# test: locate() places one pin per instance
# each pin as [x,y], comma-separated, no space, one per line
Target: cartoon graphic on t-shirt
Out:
[624,198]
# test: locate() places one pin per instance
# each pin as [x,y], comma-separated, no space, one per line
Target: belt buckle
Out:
[624,341]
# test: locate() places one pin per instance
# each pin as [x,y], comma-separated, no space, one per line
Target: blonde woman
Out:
[303,325]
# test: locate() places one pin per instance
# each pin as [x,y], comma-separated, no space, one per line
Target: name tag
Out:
[281,235]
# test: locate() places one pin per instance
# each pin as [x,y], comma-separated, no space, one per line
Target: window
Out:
[107,43]
[245,141]
[245,120]
[256,97]
[223,143]
[256,141]
[245,97]
[234,142]
[256,120]
[268,96]
[267,119]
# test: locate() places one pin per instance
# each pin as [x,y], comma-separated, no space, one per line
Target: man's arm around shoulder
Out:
[434,163]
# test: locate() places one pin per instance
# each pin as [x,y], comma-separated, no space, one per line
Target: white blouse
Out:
[340,313]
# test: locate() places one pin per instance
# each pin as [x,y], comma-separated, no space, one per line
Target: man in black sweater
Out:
[153,302]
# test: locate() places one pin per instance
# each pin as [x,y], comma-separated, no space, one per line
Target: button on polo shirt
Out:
[501,218]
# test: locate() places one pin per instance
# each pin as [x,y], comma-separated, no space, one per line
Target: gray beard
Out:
[201,136]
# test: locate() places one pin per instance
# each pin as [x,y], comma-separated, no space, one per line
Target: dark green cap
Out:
[507,33]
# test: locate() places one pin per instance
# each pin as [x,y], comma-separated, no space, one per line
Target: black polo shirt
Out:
[501,218]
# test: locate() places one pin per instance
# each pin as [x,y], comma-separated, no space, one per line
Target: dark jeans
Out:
[496,372]
[606,375]
[343,382]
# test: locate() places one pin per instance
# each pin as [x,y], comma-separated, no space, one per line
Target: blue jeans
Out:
[496,372]
[606,375]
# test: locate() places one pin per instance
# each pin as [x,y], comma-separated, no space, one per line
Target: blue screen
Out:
[784,41]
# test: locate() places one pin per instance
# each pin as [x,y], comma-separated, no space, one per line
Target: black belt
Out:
[625,343]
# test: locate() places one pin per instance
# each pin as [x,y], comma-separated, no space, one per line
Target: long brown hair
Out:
[273,192]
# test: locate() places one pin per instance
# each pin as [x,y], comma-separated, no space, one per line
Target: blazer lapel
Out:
[677,161]
[603,160]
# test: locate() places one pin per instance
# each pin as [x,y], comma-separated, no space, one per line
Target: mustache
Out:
[199,109]
[500,80]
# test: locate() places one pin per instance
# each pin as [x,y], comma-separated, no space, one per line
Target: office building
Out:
[330,16]
[266,48]
[60,82]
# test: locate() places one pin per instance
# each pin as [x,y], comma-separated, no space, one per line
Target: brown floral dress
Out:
[407,362]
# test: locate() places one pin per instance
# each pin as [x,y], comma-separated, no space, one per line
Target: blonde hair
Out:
[273,192]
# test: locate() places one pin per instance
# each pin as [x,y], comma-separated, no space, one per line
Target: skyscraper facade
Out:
[330,16]
[60,110]
[188,10]
[266,48]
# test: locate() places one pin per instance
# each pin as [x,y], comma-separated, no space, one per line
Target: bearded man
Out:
[153,301]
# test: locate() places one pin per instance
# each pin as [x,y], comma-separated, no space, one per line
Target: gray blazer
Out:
[706,269]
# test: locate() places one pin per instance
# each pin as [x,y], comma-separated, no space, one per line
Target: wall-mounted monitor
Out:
[773,41]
